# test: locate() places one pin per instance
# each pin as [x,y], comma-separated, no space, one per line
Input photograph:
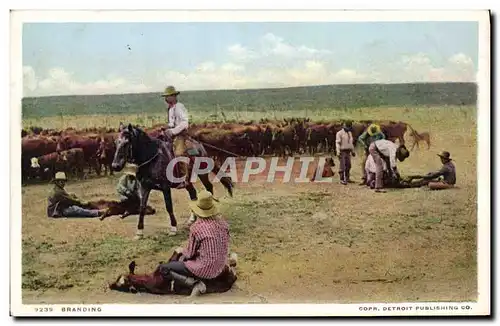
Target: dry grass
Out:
[296,242]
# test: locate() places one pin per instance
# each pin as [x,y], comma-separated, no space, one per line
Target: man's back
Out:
[211,238]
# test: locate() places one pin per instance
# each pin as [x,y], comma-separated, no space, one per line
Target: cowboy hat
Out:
[373,129]
[169,91]
[204,207]
[130,169]
[60,176]
[403,151]
[445,155]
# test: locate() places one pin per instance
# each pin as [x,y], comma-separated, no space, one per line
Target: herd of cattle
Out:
[82,152]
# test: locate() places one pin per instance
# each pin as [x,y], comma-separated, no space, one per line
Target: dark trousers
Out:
[345,165]
[175,266]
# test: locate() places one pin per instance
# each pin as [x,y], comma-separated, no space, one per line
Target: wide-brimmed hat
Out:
[130,169]
[204,206]
[445,155]
[403,152]
[60,176]
[373,129]
[169,91]
[348,123]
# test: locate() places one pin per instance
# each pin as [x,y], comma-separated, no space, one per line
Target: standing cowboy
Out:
[371,134]
[178,123]
[344,142]
[384,149]
[207,249]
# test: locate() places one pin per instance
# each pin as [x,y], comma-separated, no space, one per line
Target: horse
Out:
[152,157]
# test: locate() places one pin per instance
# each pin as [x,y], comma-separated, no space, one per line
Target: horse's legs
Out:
[193,196]
[206,182]
[167,196]
[144,196]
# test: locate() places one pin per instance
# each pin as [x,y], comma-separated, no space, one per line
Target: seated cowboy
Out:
[178,124]
[385,150]
[444,178]
[128,189]
[63,204]
[371,134]
[206,254]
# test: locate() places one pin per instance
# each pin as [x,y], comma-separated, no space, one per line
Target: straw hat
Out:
[373,129]
[169,91]
[60,176]
[204,207]
[130,169]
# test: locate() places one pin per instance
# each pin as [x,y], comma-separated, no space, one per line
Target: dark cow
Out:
[155,283]
[115,207]
[106,152]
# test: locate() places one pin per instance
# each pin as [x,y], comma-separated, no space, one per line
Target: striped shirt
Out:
[208,247]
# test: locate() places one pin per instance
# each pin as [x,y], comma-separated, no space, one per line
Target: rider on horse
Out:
[178,123]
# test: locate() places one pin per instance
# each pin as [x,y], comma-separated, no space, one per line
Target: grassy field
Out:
[296,242]
[328,97]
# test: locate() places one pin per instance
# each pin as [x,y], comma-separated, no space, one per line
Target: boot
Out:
[198,286]
[342,178]
[183,172]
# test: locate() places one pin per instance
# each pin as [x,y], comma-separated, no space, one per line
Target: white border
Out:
[481,307]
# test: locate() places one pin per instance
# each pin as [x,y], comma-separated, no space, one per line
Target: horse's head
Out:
[124,146]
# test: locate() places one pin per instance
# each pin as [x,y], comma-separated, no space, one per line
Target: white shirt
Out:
[178,118]
[370,166]
[343,140]
[388,149]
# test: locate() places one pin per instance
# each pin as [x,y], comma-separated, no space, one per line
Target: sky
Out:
[111,58]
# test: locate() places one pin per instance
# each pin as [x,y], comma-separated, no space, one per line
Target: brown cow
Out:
[31,147]
[47,165]
[155,283]
[106,152]
[74,160]
[89,144]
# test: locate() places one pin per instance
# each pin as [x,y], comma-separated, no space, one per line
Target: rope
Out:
[219,149]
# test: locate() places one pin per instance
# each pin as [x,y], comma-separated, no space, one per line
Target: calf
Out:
[46,166]
[155,283]
[327,169]
[115,207]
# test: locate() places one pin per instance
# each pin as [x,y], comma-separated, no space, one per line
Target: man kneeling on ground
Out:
[63,204]
[206,254]
[128,189]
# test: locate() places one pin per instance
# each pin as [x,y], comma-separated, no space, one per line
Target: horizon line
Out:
[252,89]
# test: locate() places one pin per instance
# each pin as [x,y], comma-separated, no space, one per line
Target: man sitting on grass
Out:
[63,204]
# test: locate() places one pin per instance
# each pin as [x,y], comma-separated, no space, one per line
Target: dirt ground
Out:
[297,242]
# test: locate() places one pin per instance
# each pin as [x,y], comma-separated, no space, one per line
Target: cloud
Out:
[58,81]
[420,68]
[271,62]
